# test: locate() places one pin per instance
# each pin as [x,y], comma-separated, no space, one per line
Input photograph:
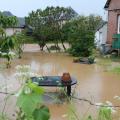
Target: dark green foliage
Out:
[91,59]
[80,34]
[8,44]
[7,21]
[21,20]
[89,118]
[2,33]
[47,24]
[41,114]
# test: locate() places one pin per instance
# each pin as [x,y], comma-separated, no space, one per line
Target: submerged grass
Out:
[115,58]
[109,63]
[3,117]
[116,70]
[105,62]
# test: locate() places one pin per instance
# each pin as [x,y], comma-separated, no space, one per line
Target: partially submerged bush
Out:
[87,60]
[8,56]
[91,59]
[54,47]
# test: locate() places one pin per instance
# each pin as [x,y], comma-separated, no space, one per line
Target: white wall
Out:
[11,31]
[101,36]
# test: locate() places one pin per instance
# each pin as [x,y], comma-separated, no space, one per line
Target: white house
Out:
[12,30]
[101,37]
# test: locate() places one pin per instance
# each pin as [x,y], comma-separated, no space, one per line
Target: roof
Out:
[101,25]
[107,4]
[21,27]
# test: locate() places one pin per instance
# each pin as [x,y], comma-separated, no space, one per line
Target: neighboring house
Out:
[29,30]
[12,30]
[104,34]
[113,8]
[101,37]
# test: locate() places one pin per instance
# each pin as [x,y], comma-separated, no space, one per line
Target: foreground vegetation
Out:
[31,106]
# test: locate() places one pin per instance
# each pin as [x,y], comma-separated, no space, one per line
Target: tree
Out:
[2,32]
[8,21]
[81,34]
[7,43]
[19,42]
[47,24]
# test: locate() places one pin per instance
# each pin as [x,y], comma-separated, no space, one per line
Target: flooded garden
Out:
[95,83]
[52,68]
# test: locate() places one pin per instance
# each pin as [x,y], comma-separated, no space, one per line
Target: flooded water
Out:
[94,83]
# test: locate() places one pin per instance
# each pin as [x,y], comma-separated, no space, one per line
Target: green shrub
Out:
[91,59]
[81,34]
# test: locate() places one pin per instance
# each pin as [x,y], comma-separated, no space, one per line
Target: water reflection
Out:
[93,82]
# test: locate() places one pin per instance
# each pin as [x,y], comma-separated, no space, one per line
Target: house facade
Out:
[113,8]
[12,30]
[101,37]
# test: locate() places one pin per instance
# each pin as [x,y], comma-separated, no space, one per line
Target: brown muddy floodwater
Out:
[94,83]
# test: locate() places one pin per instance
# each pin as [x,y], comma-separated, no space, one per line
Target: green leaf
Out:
[28,102]
[104,114]
[41,114]
[36,88]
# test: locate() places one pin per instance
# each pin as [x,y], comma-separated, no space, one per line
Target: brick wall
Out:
[113,12]
[112,25]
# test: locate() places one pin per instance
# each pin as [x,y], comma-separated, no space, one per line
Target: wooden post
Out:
[69,90]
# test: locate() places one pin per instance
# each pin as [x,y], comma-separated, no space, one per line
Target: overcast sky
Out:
[21,8]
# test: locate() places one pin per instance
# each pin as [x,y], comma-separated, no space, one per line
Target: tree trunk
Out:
[60,36]
[8,64]
[63,45]
[41,47]
[47,48]
[57,46]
